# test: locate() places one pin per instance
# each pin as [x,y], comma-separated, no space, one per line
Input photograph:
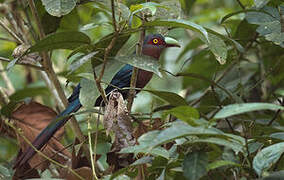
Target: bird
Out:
[153,45]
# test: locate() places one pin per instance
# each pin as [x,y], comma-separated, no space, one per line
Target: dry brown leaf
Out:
[32,118]
[84,172]
[25,172]
[117,119]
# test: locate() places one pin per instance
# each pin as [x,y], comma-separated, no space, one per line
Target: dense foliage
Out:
[213,110]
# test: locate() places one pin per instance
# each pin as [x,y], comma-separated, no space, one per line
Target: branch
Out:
[15,36]
[24,64]
[240,3]
[133,81]
[106,54]
[47,65]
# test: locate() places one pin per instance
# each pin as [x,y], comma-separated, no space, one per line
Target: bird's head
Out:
[154,44]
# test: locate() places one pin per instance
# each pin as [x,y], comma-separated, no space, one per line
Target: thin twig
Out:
[135,70]
[106,54]
[91,147]
[47,64]
[7,39]
[113,16]
[15,36]
[240,3]
[24,64]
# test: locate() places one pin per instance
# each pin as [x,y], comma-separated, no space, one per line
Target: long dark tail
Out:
[48,132]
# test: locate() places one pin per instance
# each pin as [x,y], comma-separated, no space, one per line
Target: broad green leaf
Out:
[88,92]
[144,141]
[143,160]
[267,157]
[260,3]
[12,64]
[194,165]
[235,109]
[279,135]
[269,23]
[236,146]
[181,129]
[28,92]
[170,97]
[221,163]
[185,113]
[142,62]
[236,13]
[278,175]
[59,7]
[180,23]
[218,48]
[61,40]
[136,22]
[75,65]
[237,45]
[148,5]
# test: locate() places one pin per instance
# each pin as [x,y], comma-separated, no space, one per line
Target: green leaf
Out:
[267,157]
[221,163]
[28,92]
[143,160]
[170,97]
[144,141]
[61,40]
[78,63]
[269,23]
[142,62]
[218,48]
[194,165]
[236,13]
[59,7]
[185,113]
[12,64]
[180,129]
[180,23]
[88,92]
[235,109]
[148,5]
[279,135]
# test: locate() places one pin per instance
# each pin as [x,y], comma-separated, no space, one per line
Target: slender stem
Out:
[135,70]
[14,35]
[24,64]
[106,54]
[113,16]
[135,73]
[90,147]
[47,64]
[7,39]
[240,3]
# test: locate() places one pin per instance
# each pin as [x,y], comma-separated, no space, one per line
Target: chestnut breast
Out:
[143,78]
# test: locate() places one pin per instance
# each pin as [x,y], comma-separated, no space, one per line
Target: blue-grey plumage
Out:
[153,46]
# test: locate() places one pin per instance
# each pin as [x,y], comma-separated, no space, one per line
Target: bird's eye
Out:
[155,41]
